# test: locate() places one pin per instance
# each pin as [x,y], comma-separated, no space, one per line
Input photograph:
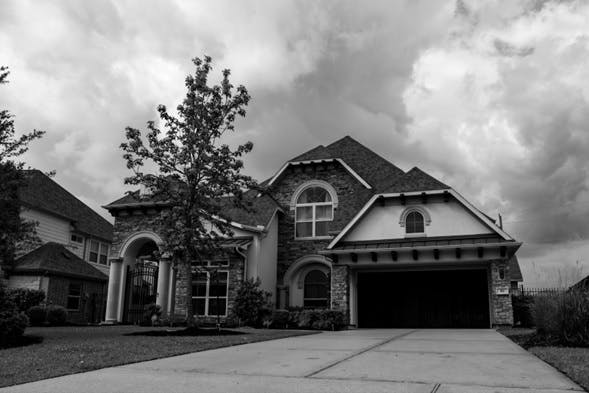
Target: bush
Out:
[12,322]
[37,315]
[563,318]
[26,298]
[56,315]
[152,314]
[523,311]
[278,320]
[251,303]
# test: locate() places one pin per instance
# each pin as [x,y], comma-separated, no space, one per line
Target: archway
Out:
[294,278]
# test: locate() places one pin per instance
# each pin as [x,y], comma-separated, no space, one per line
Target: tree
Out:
[194,171]
[13,229]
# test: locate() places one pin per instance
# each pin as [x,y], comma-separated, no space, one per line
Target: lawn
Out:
[69,350]
[574,362]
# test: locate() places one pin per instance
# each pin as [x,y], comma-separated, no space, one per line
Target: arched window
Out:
[314,210]
[316,290]
[414,223]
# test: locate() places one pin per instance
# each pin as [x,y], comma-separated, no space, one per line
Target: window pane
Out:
[324,212]
[94,246]
[93,257]
[199,284]
[314,194]
[414,223]
[218,285]
[304,229]
[305,213]
[73,303]
[75,290]
[215,306]
[103,259]
[198,306]
[321,228]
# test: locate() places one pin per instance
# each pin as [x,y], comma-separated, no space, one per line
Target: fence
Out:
[523,291]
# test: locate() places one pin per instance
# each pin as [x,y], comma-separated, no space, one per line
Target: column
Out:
[114,290]
[163,284]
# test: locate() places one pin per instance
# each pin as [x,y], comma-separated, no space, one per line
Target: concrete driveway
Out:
[408,361]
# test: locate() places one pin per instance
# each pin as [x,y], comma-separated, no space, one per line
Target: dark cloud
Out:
[491,100]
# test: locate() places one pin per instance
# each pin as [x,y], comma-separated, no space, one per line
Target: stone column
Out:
[340,290]
[502,311]
[163,284]
[114,291]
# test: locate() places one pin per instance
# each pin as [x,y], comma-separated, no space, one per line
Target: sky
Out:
[491,97]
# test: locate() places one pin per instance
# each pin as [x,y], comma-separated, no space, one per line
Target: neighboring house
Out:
[582,284]
[66,279]
[336,227]
[64,220]
[515,273]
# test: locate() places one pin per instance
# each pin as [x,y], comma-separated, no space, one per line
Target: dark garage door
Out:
[425,299]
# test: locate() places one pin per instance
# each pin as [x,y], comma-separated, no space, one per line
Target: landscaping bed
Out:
[572,361]
[55,351]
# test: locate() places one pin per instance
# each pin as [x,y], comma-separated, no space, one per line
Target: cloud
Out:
[489,96]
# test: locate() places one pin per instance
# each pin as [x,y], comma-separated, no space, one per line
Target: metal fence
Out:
[533,292]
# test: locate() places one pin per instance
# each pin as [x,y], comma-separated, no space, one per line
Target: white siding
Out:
[50,228]
[447,219]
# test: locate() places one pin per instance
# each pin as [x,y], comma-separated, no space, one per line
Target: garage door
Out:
[424,299]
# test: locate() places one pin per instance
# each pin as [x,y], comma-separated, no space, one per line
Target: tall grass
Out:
[563,318]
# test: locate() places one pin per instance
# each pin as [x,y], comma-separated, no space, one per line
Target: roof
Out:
[55,259]
[416,180]
[515,272]
[258,211]
[42,193]
[377,171]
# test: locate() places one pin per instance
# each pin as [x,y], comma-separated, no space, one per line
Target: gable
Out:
[451,216]
[447,219]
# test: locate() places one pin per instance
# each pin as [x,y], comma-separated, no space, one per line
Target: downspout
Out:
[244,255]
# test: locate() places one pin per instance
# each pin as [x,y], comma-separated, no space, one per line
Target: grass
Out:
[56,351]
[574,362]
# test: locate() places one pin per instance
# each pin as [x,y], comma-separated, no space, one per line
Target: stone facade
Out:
[352,195]
[501,308]
[340,289]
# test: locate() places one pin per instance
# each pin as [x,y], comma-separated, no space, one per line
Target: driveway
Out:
[393,360]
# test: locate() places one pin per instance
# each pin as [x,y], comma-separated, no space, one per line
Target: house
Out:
[583,284]
[72,258]
[336,227]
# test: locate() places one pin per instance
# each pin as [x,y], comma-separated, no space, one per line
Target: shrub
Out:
[523,311]
[37,315]
[152,314]
[563,318]
[26,298]
[321,319]
[250,303]
[56,315]
[279,319]
[12,322]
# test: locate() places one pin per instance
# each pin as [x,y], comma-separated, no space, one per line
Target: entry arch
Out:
[294,278]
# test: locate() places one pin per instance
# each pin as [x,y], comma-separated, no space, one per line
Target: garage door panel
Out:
[431,299]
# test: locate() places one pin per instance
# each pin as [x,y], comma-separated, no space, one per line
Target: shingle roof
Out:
[377,171]
[53,258]
[40,192]
[515,272]
[416,180]
[259,209]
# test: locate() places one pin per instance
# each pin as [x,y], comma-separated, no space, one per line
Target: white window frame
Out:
[313,219]
[426,220]
[208,298]
[100,246]
[90,251]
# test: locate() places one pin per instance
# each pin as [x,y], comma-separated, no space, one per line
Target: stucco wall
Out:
[447,219]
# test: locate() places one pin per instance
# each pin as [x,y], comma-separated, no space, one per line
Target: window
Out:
[414,223]
[313,212]
[316,290]
[103,254]
[93,255]
[77,239]
[73,296]
[209,293]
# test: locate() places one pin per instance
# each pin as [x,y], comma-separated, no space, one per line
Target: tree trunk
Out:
[187,278]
